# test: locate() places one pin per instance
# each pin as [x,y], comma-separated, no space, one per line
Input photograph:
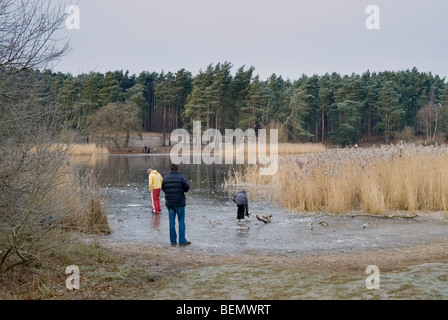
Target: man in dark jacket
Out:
[175,185]
[242,203]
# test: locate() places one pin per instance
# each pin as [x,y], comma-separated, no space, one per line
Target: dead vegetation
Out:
[129,271]
[376,180]
[42,193]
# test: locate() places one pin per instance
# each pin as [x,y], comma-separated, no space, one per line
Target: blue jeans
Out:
[180,212]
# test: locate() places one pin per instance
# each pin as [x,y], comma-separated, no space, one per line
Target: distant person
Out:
[242,203]
[155,185]
[257,127]
[175,185]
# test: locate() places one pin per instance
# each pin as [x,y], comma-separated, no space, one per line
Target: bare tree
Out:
[406,135]
[28,34]
[428,117]
[40,192]
[115,120]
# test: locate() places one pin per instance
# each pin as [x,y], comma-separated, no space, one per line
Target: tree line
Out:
[341,109]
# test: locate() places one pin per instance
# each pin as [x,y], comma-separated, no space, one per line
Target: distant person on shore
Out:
[242,203]
[155,185]
[175,185]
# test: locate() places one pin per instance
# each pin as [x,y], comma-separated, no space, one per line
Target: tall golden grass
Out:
[76,193]
[79,192]
[90,149]
[375,180]
[90,217]
[282,148]
[300,148]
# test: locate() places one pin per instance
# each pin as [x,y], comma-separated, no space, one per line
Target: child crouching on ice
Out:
[242,203]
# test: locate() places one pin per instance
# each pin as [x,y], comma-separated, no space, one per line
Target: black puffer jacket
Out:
[175,185]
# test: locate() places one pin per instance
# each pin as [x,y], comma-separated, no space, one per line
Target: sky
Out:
[285,37]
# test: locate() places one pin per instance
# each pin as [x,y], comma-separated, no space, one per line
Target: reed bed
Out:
[376,180]
[77,189]
[282,148]
[301,148]
[79,192]
[90,149]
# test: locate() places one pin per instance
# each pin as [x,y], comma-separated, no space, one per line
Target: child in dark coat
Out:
[242,203]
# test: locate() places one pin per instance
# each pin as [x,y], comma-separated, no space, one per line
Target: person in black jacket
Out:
[174,186]
[242,203]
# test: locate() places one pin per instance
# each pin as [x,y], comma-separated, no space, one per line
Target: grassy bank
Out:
[374,180]
[132,271]
[45,279]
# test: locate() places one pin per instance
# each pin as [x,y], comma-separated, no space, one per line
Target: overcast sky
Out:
[286,37]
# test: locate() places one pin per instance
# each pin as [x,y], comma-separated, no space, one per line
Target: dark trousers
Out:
[240,213]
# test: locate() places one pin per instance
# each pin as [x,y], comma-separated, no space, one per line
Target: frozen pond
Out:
[211,216]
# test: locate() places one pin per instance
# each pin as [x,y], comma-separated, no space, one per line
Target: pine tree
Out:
[184,85]
[299,107]
[371,88]
[109,89]
[238,111]
[346,117]
[389,110]
[89,96]
[325,101]
[195,109]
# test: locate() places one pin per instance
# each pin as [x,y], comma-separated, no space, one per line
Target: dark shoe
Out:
[185,243]
[174,244]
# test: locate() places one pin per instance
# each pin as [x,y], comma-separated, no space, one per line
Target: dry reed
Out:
[283,148]
[90,149]
[375,180]
[79,191]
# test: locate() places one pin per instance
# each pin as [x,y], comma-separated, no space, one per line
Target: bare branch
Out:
[28,34]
